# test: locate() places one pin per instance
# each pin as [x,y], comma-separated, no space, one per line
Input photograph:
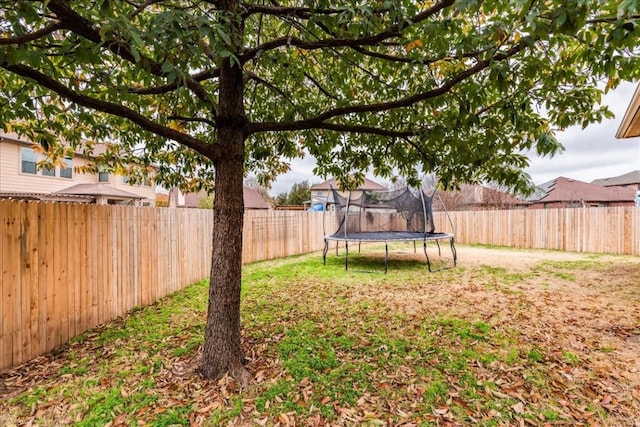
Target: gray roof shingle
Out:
[625,179]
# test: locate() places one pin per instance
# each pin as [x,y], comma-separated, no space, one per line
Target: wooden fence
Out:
[66,268]
[611,230]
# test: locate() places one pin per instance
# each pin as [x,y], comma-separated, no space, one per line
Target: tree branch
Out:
[140,8]
[156,90]
[338,127]
[194,120]
[210,151]
[72,21]
[319,122]
[257,79]
[408,60]
[298,12]
[610,19]
[25,38]
[320,88]
[392,31]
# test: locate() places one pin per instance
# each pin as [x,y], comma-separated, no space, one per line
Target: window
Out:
[67,170]
[103,176]
[48,171]
[28,160]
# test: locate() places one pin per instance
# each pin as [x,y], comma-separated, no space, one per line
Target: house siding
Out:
[146,191]
[12,179]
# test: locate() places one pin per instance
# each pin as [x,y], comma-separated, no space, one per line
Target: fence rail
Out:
[65,268]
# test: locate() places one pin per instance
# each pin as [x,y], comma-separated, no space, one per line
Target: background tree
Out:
[206,201]
[299,194]
[459,88]
[282,199]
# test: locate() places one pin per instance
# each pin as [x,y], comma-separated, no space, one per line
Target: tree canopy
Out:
[458,88]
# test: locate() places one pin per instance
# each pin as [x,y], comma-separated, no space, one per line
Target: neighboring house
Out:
[628,180]
[630,125]
[253,199]
[177,199]
[320,192]
[21,178]
[565,192]
[477,197]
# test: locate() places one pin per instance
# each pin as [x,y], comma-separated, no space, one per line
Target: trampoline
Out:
[394,216]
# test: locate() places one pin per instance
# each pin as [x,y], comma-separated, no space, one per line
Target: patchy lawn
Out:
[507,338]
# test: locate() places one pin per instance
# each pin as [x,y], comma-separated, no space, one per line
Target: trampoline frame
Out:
[389,236]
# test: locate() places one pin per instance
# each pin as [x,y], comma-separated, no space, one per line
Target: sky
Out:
[590,153]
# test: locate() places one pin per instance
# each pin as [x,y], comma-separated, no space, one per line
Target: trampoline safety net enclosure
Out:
[403,215]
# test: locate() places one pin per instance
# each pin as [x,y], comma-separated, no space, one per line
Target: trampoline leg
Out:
[337,245]
[359,243]
[453,251]
[414,247]
[346,255]
[324,252]
[439,252]
[386,256]
[427,256]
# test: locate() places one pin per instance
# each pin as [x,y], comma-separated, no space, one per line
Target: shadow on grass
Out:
[368,261]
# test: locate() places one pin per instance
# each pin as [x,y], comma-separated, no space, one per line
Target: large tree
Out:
[458,88]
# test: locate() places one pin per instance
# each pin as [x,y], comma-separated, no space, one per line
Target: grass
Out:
[325,345]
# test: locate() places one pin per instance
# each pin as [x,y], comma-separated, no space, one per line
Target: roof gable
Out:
[253,199]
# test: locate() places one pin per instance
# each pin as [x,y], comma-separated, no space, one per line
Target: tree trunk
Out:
[222,352]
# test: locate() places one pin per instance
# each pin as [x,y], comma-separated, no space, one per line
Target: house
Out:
[630,125]
[628,180]
[320,192]
[177,199]
[21,178]
[477,197]
[566,192]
